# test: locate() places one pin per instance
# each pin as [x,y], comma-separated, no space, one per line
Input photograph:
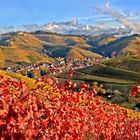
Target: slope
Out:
[124,46]
[29,82]
[23,48]
[42,47]
[66,46]
[100,40]
[131,63]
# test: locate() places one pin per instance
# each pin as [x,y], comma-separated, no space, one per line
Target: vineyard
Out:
[53,111]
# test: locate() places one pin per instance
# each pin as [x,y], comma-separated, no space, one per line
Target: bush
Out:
[52,111]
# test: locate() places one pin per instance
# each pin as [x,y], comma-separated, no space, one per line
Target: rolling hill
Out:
[23,48]
[131,63]
[112,77]
[124,46]
[66,46]
[112,72]
[41,47]
[100,40]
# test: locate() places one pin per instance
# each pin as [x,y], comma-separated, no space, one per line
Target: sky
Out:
[21,12]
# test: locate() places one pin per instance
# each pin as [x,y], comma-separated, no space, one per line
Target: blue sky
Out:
[20,12]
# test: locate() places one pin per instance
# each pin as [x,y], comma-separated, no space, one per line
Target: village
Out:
[35,70]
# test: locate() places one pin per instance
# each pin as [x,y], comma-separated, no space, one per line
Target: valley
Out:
[70,70]
[90,59]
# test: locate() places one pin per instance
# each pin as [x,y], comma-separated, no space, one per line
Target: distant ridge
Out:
[124,46]
[41,47]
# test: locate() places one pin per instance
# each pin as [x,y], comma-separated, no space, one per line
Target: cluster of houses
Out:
[62,64]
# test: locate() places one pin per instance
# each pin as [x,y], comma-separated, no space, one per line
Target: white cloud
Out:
[108,10]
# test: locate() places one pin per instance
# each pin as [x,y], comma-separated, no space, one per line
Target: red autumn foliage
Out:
[135,91]
[42,113]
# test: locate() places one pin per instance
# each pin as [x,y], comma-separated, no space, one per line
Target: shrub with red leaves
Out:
[135,91]
[52,111]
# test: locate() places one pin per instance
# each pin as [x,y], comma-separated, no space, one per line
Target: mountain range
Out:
[44,47]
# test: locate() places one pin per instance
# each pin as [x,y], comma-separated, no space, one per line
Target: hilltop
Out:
[99,40]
